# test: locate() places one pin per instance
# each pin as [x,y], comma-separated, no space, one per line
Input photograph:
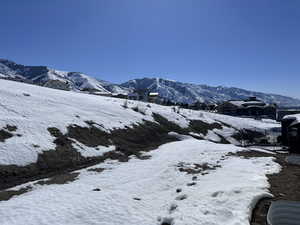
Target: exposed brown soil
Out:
[59,179]
[98,170]
[199,126]
[6,195]
[250,136]
[130,141]
[65,158]
[89,136]
[284,185]
[10,128]
[4,135]
[169,125]
[251,154]
[196,168]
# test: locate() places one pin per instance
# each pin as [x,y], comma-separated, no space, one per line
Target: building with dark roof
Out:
[251,107]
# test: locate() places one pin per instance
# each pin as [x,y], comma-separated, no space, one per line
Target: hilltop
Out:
[174,91]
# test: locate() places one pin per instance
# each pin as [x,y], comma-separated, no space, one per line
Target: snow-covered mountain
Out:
[48,77]
[189,93]
[167,89]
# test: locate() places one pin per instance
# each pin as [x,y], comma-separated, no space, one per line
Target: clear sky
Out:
[252,44]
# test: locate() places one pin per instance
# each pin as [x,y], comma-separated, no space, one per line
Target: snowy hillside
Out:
[189,93]
[33,109]
[137,163]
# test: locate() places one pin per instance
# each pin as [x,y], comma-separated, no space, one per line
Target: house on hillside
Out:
[251,107]
[144,95]
[290,132]
[153,97]
[285,112]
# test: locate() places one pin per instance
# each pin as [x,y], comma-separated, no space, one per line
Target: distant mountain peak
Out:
[42,75]
[169,89]
[189,93]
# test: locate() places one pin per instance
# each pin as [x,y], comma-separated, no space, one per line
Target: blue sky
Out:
[252,44]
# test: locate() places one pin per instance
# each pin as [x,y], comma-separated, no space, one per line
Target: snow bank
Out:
[151,191]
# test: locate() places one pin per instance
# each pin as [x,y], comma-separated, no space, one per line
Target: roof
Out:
[247,103]
[293,116]
[153,94]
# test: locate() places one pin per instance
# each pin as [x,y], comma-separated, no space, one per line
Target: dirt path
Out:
[284,185]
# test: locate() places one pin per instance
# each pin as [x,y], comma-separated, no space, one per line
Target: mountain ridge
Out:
[175,91]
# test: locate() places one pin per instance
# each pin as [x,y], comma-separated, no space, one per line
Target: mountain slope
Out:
[45,76]
[189,93]
[167,89]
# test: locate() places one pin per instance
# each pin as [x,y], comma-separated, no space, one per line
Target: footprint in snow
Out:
[178,190]
[181,197]
[191,184]
[166,221]
[173,207]
[217,193]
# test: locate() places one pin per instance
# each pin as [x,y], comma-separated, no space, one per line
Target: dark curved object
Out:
[284,213]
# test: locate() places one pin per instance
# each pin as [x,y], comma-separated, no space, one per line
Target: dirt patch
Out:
[54,132]
[11,128]
[250,154]
[141,138]
[4,135]
[168,125]
[130,141]
[145,157]
[139,110]
[199,126]
[98,170]
[284,185]
[226,124]
[89,136]
[196,168]
[65,158]
[196,126]
[249,136]
[223,140]
[260,212]
[6,195]
[59,179]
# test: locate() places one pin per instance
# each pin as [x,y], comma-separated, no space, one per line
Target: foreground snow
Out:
[224,195]
[33,109]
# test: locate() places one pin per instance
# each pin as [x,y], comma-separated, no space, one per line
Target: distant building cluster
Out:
[251,107]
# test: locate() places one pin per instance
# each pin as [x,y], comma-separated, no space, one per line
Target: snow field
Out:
[146,192]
